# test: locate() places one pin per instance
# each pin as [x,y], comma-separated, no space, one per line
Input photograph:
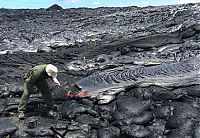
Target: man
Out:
[37,76]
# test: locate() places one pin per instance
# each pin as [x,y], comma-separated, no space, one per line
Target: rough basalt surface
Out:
[140,66]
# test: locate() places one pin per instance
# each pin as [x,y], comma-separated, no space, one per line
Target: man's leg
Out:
[28,88]
[46,94]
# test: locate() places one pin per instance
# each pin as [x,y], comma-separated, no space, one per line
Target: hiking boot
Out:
[21,115]
[50,112]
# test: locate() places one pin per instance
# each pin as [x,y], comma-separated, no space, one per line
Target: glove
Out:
[57,83]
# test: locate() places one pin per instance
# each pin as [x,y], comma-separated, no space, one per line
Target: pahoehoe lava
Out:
[178,74]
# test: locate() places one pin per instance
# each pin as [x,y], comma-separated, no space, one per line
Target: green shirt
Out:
[37,73]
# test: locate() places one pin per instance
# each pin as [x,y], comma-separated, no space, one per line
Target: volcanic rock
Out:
[140,66]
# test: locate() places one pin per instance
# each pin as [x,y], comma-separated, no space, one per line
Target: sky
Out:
[36,4]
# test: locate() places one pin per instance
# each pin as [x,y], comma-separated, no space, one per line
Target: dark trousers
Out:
[29,88]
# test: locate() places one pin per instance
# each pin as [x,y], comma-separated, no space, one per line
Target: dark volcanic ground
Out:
[84,41]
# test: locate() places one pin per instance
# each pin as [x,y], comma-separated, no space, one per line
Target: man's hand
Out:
[57,83]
